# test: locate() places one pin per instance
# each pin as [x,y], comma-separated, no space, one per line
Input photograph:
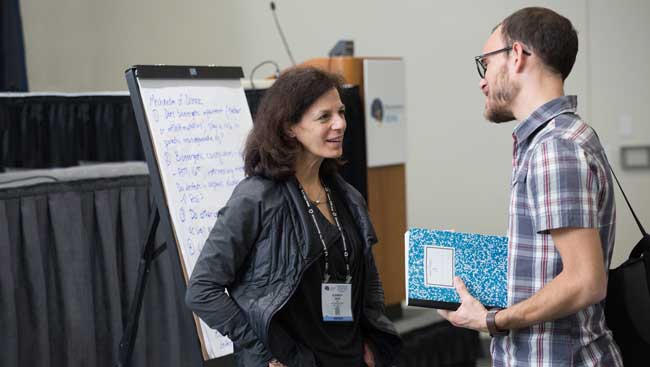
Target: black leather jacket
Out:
[258,249]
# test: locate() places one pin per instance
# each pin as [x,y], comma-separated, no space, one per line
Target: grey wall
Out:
[458,164]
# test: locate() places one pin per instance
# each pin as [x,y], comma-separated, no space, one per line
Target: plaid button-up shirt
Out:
[560,179]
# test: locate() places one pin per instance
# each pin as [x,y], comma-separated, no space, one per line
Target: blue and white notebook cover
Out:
[434,257]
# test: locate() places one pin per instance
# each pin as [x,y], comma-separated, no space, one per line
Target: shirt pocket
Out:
[519,176]
[518,194]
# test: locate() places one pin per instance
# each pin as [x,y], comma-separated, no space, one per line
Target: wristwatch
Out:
[491,323]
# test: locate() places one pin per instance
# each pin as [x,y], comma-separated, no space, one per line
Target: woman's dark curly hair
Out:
[269,150]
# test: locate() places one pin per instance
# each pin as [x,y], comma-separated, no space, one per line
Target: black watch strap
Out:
[490,320]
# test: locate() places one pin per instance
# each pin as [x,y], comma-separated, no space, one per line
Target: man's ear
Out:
[520,59]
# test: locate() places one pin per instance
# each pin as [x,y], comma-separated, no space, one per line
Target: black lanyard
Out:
[346,255]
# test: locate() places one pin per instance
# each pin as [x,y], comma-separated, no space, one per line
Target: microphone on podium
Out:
[284,40]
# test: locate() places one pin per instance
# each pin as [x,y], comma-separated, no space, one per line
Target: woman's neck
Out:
[307,172]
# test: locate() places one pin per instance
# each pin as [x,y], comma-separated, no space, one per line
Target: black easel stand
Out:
[149,253]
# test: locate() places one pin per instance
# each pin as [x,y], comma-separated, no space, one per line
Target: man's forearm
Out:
[563,296]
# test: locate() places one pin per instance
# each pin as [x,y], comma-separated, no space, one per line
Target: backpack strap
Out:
[644,244]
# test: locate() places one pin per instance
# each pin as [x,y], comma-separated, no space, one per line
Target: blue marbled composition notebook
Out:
[434,257]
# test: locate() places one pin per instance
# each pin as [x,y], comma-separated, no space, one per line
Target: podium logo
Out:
[377,110]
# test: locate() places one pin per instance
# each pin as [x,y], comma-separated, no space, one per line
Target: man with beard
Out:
[562,213]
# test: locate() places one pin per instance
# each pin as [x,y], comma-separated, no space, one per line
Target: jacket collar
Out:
[359,210]
[355,204]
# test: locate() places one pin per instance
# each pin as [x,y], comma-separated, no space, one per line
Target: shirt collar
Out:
[544,113]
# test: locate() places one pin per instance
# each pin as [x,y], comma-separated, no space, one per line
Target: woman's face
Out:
[321,129]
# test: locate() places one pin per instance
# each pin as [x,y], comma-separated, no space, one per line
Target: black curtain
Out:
[62,131]
[440,345]
[13,73]
[69,254]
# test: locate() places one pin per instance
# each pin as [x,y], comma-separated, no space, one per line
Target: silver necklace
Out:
[320,196]
[346,254]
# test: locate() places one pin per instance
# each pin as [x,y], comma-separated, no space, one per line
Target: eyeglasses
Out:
[480,64]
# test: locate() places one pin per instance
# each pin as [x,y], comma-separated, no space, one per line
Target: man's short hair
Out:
[549,35]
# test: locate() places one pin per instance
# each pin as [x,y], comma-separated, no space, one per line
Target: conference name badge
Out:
[336,301]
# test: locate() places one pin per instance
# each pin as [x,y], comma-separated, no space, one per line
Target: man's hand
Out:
[275,363]
[471,313]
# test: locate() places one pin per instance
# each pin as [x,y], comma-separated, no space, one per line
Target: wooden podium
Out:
[386,195]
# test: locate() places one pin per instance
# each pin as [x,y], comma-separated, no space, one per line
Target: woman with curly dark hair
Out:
[292,247]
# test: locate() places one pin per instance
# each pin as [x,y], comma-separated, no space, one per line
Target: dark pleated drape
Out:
[13,71]
[69,256]
[440,345]
[62,131]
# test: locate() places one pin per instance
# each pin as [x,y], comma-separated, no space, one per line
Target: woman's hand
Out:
[368,356]
[275,363]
